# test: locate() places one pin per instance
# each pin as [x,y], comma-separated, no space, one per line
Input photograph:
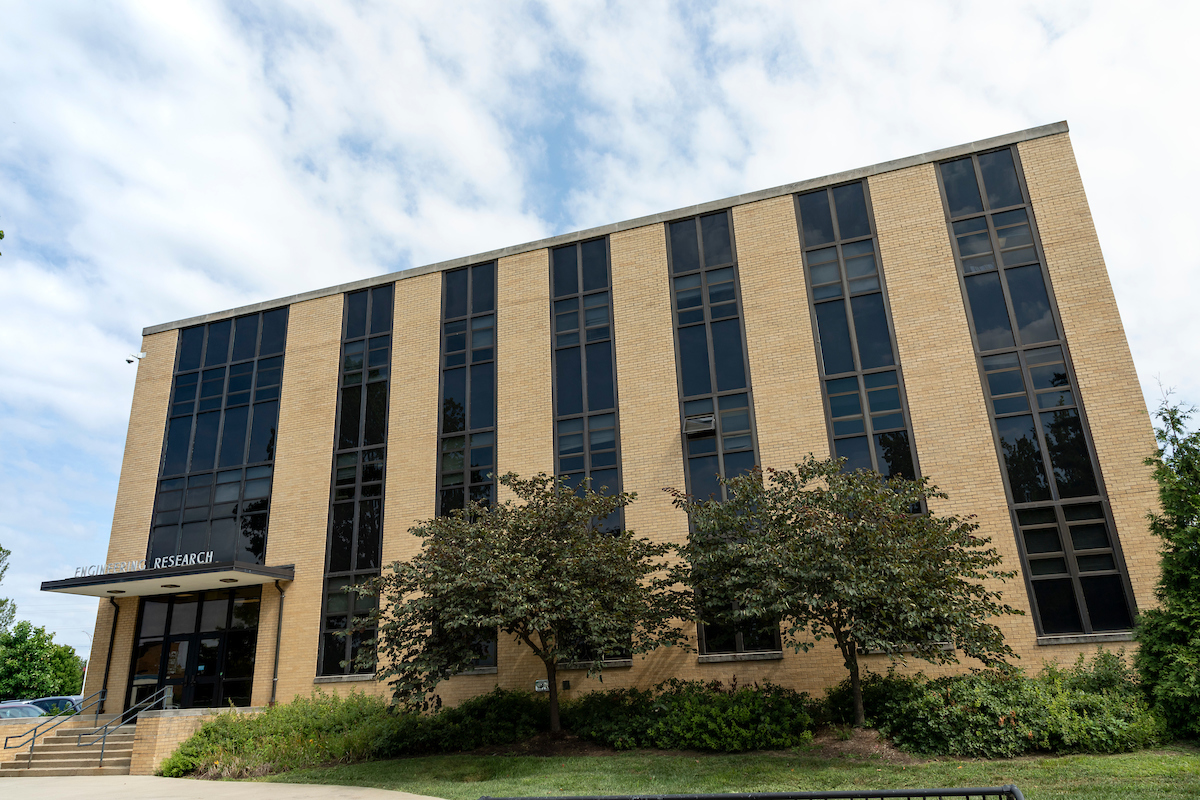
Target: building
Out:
[947,315]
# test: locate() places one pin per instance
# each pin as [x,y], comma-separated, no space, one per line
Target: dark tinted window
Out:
[871,330]
[962,190]
[566,278]
[851,211]
[1000,179]
[456,293]
[989,314]
[1031,305]
[685,251]
[693,352]
[217,351]
[817,221]
[191,343]
[834,332]
[718,249]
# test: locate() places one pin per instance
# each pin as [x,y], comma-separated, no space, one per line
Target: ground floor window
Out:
[200,646]
[744,636]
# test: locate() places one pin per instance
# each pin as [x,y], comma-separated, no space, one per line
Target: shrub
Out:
[691,715]
[327,729]
[320,729]
[1091,707]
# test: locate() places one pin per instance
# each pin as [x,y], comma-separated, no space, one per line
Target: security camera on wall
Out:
[132,357]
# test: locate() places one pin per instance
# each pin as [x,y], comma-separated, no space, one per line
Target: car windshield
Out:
[12,712]
[53,704]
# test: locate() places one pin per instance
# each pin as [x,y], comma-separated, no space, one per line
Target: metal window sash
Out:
[1057,502]
[858,372]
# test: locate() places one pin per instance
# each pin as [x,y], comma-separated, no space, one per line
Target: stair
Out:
[60,754]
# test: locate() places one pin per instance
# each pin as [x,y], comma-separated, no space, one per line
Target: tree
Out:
[842,555]
[32,665]
[1168,655]
[539,569]
[8,608]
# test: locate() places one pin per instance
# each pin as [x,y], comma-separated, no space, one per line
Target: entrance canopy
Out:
[171,580]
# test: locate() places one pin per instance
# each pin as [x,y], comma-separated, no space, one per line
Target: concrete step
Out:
[74,733]
[110,760]
[124,730]
[71,747]
[56,772]
[93,755]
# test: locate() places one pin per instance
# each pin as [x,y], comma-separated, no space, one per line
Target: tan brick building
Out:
[947,315]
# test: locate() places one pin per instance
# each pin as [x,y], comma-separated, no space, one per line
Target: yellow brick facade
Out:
[950,421]
[779,334]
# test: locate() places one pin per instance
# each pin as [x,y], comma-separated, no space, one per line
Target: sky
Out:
[162,160]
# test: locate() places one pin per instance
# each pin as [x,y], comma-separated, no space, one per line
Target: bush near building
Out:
[1094,706]
[1169,636]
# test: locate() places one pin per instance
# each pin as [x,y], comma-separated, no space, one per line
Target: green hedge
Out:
[1094,706]
[691,715]
[327,729]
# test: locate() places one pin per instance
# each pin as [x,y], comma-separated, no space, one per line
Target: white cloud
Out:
[162,160]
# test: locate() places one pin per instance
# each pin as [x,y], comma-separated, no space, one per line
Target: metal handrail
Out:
[1008,792]
[53,722]
[101,734]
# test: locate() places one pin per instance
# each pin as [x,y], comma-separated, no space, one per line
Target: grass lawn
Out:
[1162,774]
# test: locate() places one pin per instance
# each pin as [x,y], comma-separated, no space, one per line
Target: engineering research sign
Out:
[118,567]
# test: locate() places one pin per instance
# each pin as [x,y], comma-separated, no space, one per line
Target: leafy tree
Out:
[1168,655]
[841,555]
[8,608]
[540,569]
[32,665]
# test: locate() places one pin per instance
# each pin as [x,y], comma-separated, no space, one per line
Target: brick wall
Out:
[159,733]
[788,410]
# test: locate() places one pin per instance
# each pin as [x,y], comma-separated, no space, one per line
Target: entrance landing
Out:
[143,787]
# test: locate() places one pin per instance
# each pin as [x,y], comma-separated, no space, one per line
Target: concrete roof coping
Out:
[615,227]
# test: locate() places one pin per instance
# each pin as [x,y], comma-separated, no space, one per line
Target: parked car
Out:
[56,705]
[15,710]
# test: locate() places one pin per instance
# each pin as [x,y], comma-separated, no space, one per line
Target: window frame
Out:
[355,574]
[714,393]
[587,413]
[222,408]
[1021,349]
[468,432]
[859,373]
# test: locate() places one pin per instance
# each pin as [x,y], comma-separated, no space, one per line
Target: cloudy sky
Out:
[164,159]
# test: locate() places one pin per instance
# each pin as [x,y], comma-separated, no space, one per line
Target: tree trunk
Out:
[551,675]
[860,716]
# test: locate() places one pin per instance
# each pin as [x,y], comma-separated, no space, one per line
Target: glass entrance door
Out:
[200,646]
[174,672]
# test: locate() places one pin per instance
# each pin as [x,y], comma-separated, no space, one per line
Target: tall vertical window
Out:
[585,387]
[714,384]
[214,490]
[467,444]
[1065,528]
[860,373]
[359,461]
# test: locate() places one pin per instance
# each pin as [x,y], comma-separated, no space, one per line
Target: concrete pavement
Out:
[144,787]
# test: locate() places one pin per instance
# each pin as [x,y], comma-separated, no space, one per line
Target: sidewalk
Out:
[144,787]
